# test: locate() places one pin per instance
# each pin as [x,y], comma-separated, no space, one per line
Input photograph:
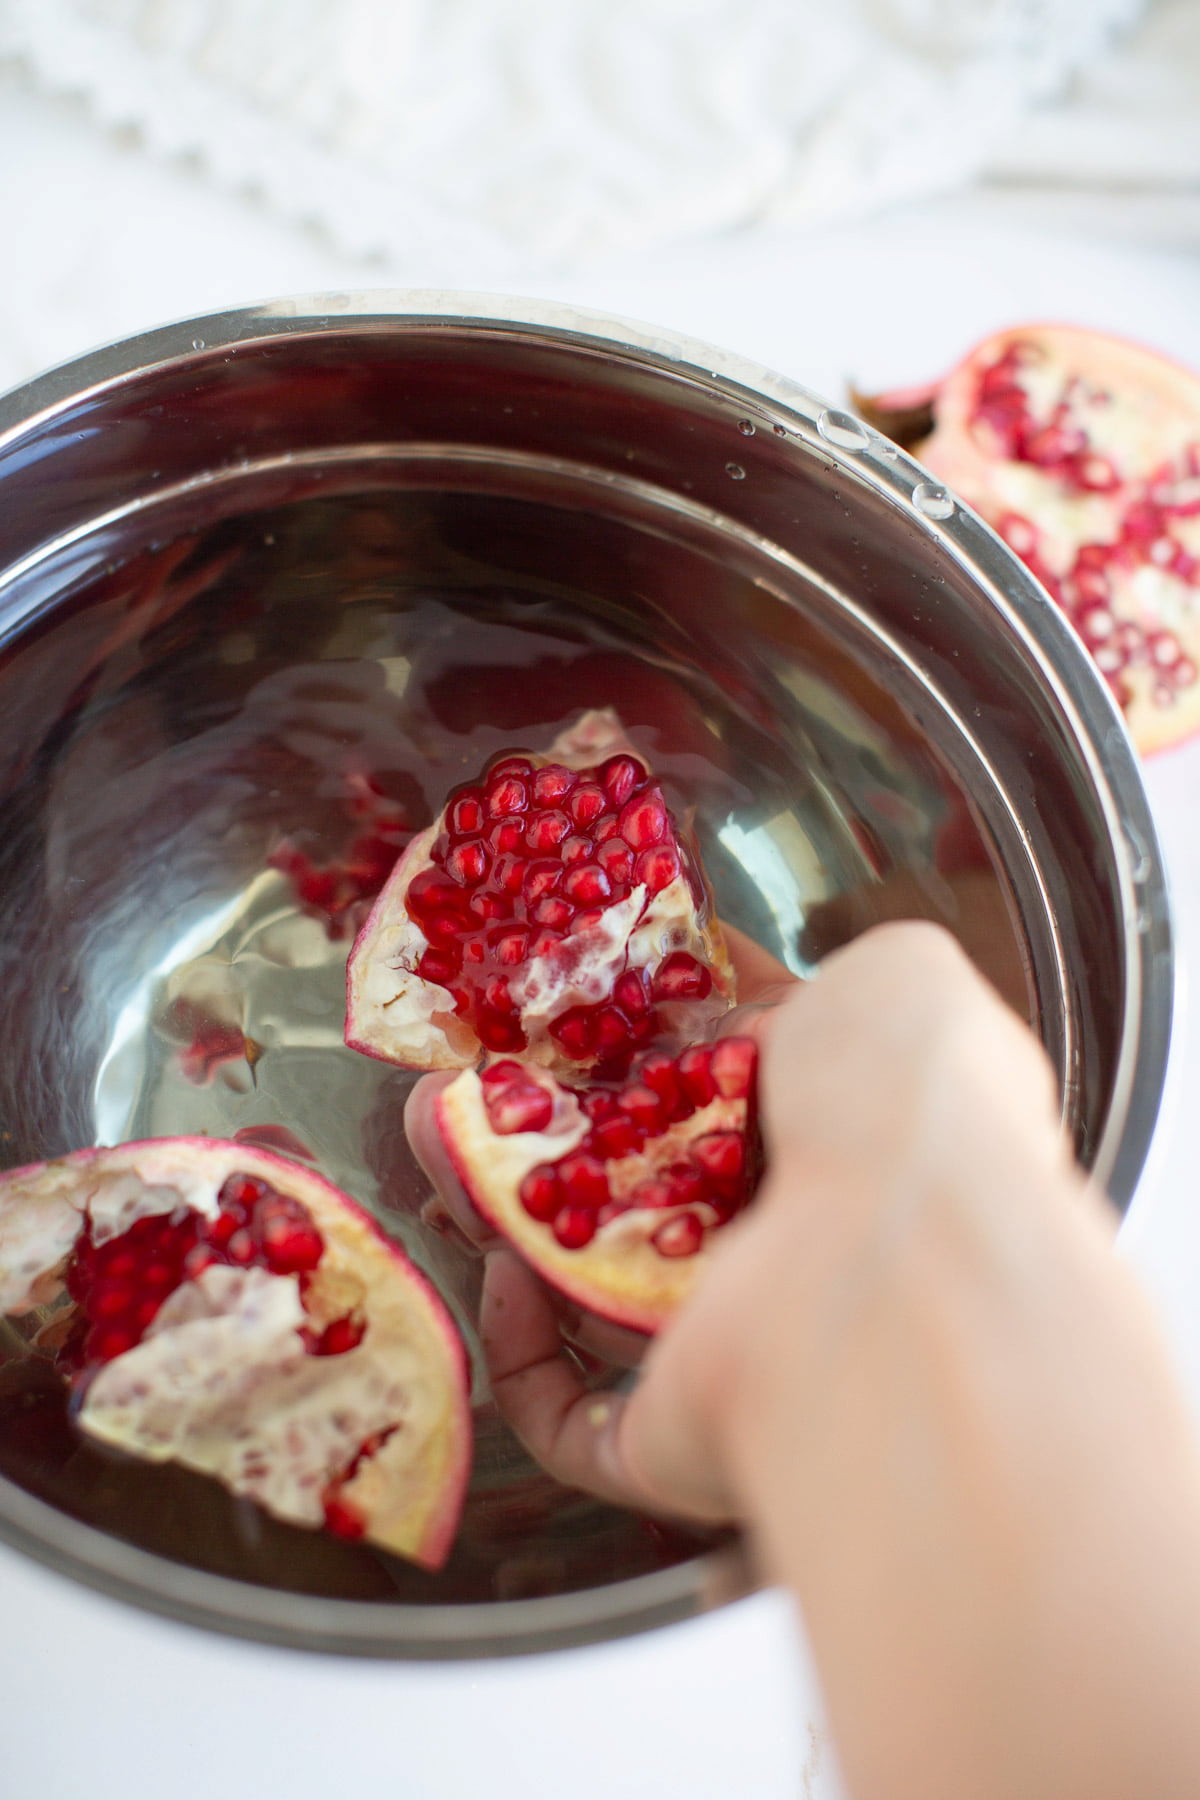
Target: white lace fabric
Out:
[564,131]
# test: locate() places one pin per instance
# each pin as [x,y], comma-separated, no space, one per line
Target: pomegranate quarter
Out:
[553,911]
[1083,452]
[611,1193]
[220,1307]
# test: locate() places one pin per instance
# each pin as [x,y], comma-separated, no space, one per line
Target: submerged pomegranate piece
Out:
[612,1193]
[220,1307]
[553,911]
[1083,452]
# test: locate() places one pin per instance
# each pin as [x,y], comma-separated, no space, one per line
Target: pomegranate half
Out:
[554,911]
[1083,452]
[221,1307]
[611,1193]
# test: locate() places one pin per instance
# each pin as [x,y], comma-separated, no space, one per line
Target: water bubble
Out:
[746,427]
[841,429]
[888,450]
[735,471]
[197,343]
[779,430]
[932,500]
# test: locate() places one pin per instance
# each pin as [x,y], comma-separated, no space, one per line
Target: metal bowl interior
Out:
[247,558]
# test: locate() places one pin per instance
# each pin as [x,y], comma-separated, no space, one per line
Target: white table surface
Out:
[102,1701]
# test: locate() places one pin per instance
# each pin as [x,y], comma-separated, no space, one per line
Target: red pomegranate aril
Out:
[629,993]
[499,1031]
[501,1074]
[613,1138]
[657,868]
[505,795]
[721,1155]
[340,1336]
[511,947]
[465,815]
[575,850]
[554,912]
[643,1106]
[508,873]
[680,1236]
[606,827]
[431,894]
[681,977]
[541,878]
[574,1226]
[115,1340]
[440,965]
[613,1039]
[520,1107]
[541,1193]
[657,1072]
[506,763]
[546,830]
[291,1247]
[687,1184]
[733,1062]
[343,1520]
[583,1180]
[575,1031]
[241,1248]
[439,850]
[242,1190]
[643,822]
[110,1301]
[618,777]
[505,836]
[586,884]
[468,862]
[616,859]
[694,1068]
[652,1196]
[552,783]
[587,803]
[487,906]
[598,1104]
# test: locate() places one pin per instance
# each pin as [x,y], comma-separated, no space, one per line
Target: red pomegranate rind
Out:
[616,1193]
[553,911]
[235,1312]
[1083,451]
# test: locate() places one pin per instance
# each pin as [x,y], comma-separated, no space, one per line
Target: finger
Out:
[567,1429]
[759,974]
[425,1140]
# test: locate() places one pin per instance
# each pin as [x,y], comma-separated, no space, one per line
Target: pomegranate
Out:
[1083,451]
[218,1306]
[612,1192]
[554,910]
[339,893]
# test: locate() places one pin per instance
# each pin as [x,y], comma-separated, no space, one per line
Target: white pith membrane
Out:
[620,1274]
[1134,594]
[393,1013]
[222,1381]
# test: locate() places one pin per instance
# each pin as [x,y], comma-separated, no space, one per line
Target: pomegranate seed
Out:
[643,1106]
[614,1138]
[657,868]
[540,1193]
[588,919]
[687,1184]
[521,1107]
[507,764]
[618,777]
[652,1196]
[680,1236]
[587,803]
[605,828]
[721,1155]
[629,992]
[552,784]
[505,836]
[575,850]
[339,1336]
[110,1301]
[465,814]
[505,795]
[500,1074]
[586,884]
[574,1226]
[554,912]
[546,830]
[681,977]
[575,1031]
[496,1031]
[658,1073]
[440,966]
[546,940]
[616,859]
[733,1065]
[198,1258]
[489,906]
[540,878]
[241,1248]
[241,1190]
[342,1519]
[583,1180]
[643,821]
[510,948]
[695,1074]
[612,1033]
[111,1342]
[468,862]
[291,1246]
[508,873]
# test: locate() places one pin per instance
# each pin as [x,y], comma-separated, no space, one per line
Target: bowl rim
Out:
[623,1607]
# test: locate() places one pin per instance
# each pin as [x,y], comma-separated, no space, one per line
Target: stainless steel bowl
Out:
[245,557]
